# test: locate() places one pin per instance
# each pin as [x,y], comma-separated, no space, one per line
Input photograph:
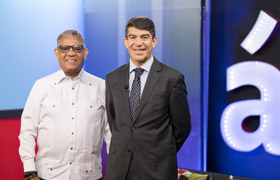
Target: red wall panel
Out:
[11,167]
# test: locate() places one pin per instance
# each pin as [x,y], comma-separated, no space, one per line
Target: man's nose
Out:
[71,51]
[138,42]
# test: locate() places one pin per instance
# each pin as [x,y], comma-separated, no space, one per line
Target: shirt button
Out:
[72,133]
[73,88]
[72,117]
[73,104]
[86,171]
[90,106]
[70,163]
[128,149]
[71,148]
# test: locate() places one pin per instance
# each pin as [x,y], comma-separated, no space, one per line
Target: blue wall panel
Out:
[178,31]
[29,29]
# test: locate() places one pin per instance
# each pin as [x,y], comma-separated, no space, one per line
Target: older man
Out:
[65,111]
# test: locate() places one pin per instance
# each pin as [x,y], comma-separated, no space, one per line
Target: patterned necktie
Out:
[134,97]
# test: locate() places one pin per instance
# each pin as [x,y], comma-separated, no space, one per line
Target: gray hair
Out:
[71,33]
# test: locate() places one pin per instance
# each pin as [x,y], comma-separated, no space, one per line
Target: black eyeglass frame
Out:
[75,48]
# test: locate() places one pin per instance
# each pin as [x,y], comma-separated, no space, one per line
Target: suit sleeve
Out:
[109,104]
[179,110]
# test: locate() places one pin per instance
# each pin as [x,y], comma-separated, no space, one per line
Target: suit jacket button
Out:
[129,149]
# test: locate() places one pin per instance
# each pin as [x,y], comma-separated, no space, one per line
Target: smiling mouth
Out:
[139,51]
[71,60]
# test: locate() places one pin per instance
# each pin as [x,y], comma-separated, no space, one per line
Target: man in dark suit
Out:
[147,109]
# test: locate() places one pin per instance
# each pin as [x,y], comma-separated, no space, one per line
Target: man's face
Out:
[139,44]
[71,62]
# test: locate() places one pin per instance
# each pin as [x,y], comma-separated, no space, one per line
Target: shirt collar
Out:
[82,76]
[61,76]
[147,66]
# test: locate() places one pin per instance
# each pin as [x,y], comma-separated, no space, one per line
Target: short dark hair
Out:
[71,33]
[143,23]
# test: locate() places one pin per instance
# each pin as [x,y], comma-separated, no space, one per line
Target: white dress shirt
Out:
[143,78]
[68,118]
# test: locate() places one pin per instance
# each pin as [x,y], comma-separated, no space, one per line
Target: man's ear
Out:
[125,42]
[154,41]
[85,54]
[56,53]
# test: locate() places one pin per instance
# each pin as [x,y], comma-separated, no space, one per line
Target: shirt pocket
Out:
[50,109]
[91,161]
[51,115]
[91,114]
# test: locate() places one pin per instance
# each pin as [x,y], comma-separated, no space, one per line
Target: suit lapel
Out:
[124,82]
[150,85]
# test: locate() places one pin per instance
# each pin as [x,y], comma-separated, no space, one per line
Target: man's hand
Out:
[35,178]
[31,175]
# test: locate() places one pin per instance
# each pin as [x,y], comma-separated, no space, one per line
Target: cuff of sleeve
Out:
[29,165]
[107,148]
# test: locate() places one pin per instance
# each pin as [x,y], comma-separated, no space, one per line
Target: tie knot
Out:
[138,72]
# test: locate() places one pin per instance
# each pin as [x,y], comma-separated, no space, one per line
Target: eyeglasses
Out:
[75,48]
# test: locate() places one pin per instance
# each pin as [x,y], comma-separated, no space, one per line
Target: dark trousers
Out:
[44,179]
